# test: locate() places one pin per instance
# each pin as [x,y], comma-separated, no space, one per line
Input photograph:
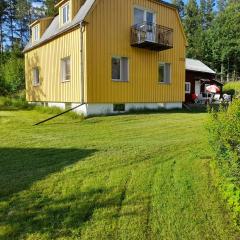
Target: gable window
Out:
[36,79]
[66,13]
[164,73]
[66,69]
[120,69]
[187,87]
[35,33]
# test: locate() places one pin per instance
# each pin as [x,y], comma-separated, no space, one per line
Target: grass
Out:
[143,176]
[232,88]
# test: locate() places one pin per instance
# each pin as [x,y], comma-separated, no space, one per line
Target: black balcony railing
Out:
[151,36]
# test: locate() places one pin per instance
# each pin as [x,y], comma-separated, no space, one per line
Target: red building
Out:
[198,77]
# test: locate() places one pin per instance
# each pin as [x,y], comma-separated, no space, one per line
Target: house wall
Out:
[108,34]
[48,58]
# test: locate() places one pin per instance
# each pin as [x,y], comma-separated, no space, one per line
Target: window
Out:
[119,107]
[65,13]
[36,79]
[143,15]
[66,69]
[35,33]
[187,87]
[120,69]
[164,72]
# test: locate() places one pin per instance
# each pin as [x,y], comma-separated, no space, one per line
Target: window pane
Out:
[36,79]
[66,69]
[138,16]
[124,69]
[116,68]
[66,13]
[167,73]
[149,18]
[161,72]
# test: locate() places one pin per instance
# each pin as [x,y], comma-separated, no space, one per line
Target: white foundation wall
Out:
[107,108]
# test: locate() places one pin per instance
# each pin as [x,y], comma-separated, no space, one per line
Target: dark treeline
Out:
[212,28]
[213,31]
[15,17]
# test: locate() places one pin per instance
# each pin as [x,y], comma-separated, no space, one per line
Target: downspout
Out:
[82,30]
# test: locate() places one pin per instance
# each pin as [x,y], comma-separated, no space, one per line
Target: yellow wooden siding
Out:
[48,59]
[44,23]
[76,4]
[108,34]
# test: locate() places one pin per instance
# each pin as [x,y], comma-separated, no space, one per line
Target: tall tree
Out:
[192,24]
[180,6]
[50,7]
[225,35]
[221,5]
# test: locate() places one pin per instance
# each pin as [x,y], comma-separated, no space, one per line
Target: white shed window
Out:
[35,33]
[120,69]
[36,79]
[66,69]
[187,87]
[164,73]
[66,13]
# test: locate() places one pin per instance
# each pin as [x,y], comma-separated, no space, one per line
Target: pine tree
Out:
[50,7]
[221,5]
[180,6]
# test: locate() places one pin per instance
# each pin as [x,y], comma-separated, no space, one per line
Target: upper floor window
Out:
[66,13]
[66,69]
[164,73]
[36,79]
[142,15]
[35,33]
[120,69]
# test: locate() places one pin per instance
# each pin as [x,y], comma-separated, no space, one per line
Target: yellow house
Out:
[108,55]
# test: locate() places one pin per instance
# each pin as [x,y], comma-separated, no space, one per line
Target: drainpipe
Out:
[82,30]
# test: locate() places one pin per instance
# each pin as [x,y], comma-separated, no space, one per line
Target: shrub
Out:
[224,136]
[232,88]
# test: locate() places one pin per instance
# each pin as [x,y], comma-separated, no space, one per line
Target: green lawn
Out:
[122,177]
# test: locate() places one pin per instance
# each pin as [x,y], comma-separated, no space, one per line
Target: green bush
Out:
[224,136]
[232,88]
[13,102]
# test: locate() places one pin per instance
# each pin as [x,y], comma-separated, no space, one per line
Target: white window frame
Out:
[121,68]
[164,77]
[65,6]
[36,33]
[63,69]
[145,13]
[189,87]
[36,77]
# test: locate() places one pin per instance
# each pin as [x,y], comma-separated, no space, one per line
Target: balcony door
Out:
[145,21]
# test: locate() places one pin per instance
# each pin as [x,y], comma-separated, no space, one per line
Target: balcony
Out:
[151,36]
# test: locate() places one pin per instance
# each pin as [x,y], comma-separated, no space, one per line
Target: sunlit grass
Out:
[142,176]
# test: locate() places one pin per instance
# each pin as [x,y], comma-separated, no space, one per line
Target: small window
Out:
[187,87]
[120,69]
[36,79]
[66,13]
[164,73]
[119,107]
[66,69]
[35,33]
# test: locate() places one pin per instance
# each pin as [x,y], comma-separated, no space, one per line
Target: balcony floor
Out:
[151,46]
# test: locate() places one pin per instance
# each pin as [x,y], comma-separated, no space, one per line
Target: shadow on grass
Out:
[20,168]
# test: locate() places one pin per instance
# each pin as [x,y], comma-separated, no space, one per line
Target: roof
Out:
[53,30]
[197,66]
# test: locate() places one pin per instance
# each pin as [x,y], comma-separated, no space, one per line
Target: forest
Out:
[212,28]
